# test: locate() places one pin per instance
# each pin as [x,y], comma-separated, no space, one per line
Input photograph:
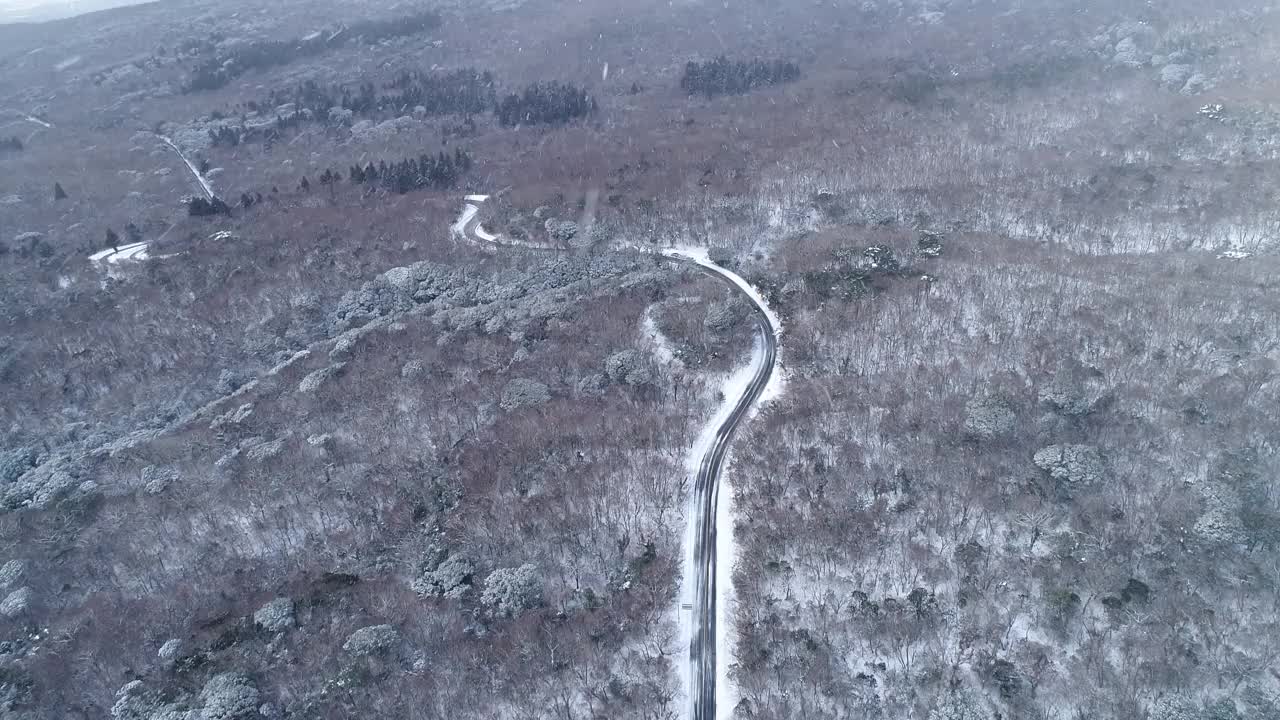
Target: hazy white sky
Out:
[37,10]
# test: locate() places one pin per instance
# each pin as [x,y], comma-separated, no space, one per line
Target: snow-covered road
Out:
[204,183]
[709,555]
[468,227]
[28,117]
[132,251]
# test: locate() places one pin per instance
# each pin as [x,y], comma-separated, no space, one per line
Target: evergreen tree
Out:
[331,179]
[722,77]
[113,240]
[58,192]
[199,207]
[305,184]
[545,103]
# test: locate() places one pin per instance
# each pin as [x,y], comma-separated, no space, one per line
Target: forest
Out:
[221,67]
[406,422]
[462,92]
[724,77]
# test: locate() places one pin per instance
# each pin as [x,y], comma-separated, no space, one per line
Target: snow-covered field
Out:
[660,343]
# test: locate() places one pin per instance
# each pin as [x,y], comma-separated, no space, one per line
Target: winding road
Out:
[469,227]
[706,490]
[704,629]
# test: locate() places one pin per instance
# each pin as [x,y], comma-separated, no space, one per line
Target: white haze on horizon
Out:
[42,10]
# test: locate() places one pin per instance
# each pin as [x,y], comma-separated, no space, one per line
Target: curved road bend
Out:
[702,644]
[706,488]
[470,227]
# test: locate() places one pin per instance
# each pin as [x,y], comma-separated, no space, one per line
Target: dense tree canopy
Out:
[545,103]
[221,68]
[723,77]
[436,172]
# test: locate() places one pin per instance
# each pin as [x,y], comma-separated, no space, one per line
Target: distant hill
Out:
[28,11]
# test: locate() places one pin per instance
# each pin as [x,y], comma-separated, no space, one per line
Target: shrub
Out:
[156,479]
[264,450]
[511,591]
[722,255]
[1065,399]
[987,418]
[1221,709]
[627,367]
[522,393]
[135,702]
[1174,707]
[1074,464]
[1004,675]
[275,616]
[169,650]
[40,486]
[200,207]
[11,572]
[371,640]
[724,316]
[412,369]
[13,463]
[561,231]
[881,258]
[929,244]
[16,603]
[1220,522]
[229,381]
[957,705]
[229,696]
[451,579]
[314,380]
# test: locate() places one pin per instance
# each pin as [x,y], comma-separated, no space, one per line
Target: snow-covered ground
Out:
[132,251]
[660,343]
[139,251]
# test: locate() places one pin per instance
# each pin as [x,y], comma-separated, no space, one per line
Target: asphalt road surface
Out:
[702,646]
